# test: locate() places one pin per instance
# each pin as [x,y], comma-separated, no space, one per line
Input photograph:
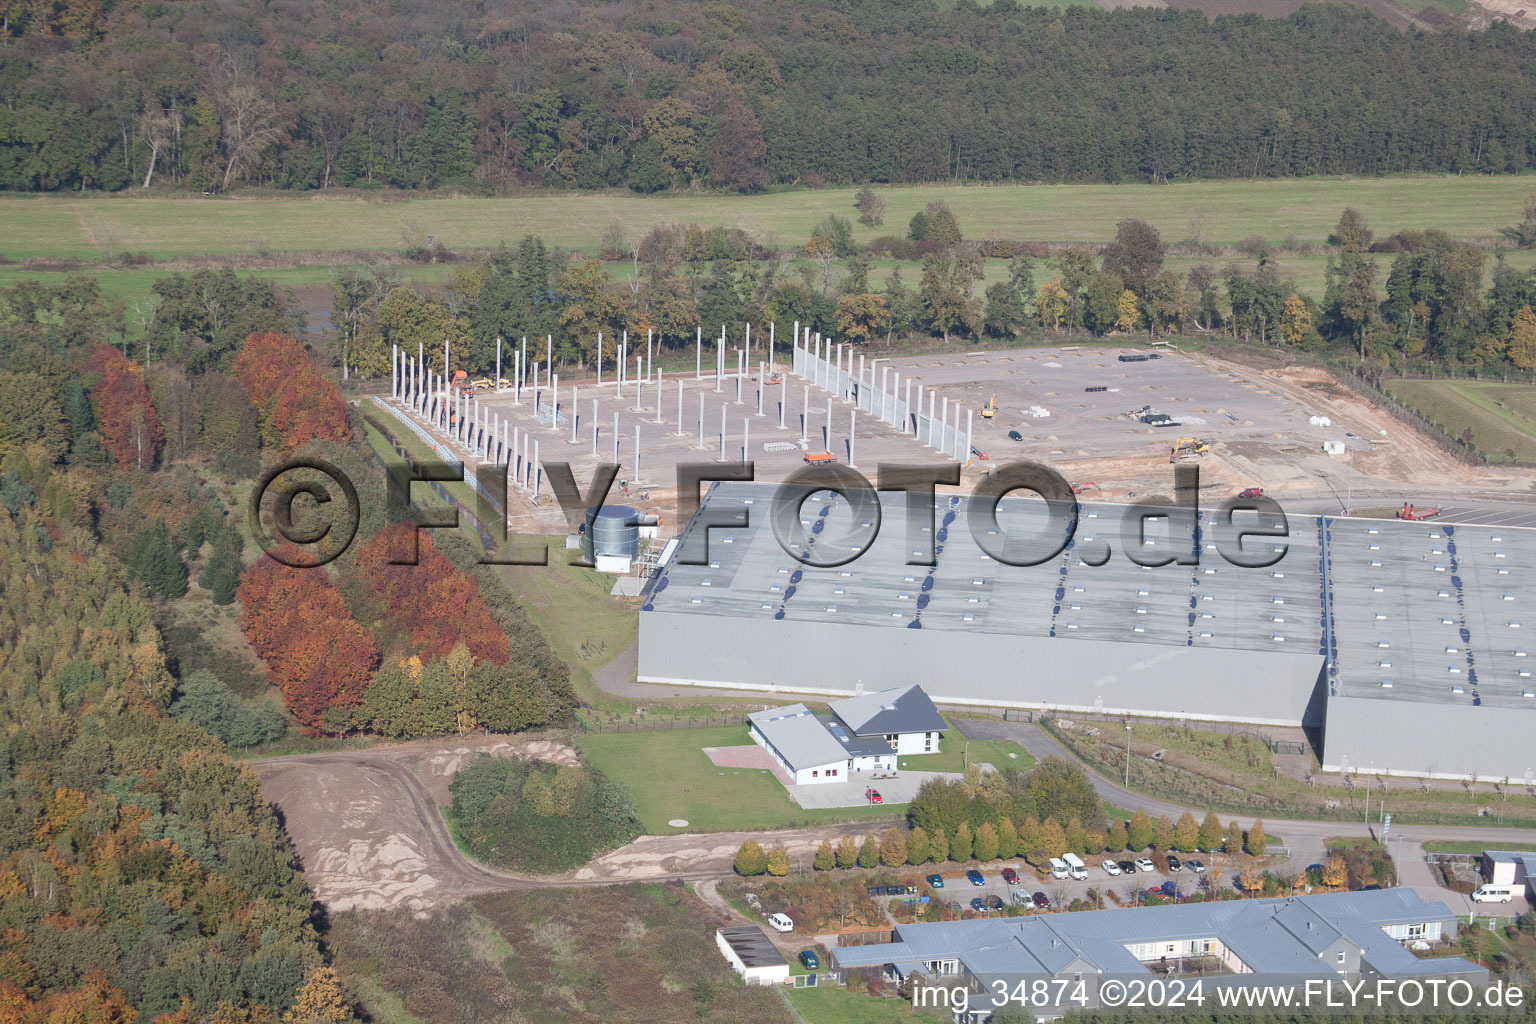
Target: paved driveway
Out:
[899,790]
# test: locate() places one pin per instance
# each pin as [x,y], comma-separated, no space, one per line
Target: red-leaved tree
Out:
[125,415]
[434,599]
[297,403]
[317,655]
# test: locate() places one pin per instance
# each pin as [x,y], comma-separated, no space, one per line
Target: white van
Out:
[1494,894]
[781,922]
[1075,865]
[1058,868]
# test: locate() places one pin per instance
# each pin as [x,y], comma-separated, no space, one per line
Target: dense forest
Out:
[142,875]
[674,94]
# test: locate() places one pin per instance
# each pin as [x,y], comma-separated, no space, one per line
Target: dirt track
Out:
[370,835]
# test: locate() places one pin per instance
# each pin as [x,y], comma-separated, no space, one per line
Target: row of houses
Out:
[1244,942]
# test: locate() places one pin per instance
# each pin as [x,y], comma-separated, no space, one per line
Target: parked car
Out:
[781,922]
[1169,889]
[1174,864]
[1014,435]
[1128,866]
[1197,866]
[873,796]
[979,905]
[809,960]
[1145,864]
[1042,901]
[937,881]
[994,902]
[1110,868]
[1010,876]
[975,877]
[1251,492]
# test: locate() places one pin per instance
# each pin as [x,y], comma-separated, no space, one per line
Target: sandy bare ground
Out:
[369,831]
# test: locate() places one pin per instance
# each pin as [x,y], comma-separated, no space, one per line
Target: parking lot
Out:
[1061,892]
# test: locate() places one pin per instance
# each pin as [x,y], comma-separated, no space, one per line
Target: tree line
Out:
[671,95]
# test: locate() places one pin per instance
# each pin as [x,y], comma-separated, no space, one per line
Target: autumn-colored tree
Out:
[1162,833]
[861,316]
[1234,837]
[1257,842]
[847,851]
[917,845]
[1074,831]
[938,847]
[826,859]
[1335,872]
[1295,320]
[295,402]
[985,845]
[777,861]
[893,848]
[1210,832]
[319,1001]
[1139,831]
[1053,838]
[1522,339]
[125,415]
[750,859]
[1186,833]
[1250,880]
[869,851]
[1051,304]
[436,602]
[317,655]
[1127,312]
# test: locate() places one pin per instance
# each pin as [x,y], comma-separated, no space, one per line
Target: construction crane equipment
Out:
[1410,512]
[990,409]
[1185,447]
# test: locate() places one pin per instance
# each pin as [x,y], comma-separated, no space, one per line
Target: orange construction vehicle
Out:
[819,458]
[461,383]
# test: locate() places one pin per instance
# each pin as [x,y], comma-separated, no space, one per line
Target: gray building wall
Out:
[1449,741]
[992,669]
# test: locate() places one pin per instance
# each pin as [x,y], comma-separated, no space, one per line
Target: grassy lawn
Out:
[952,754]
[92,227]
[667,775]
[833,1004]
[1472,846]
[1502,417]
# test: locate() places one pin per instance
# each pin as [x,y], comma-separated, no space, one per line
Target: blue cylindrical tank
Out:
[612,530]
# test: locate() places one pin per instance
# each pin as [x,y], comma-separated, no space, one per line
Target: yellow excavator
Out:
[1184,447]
[990,409]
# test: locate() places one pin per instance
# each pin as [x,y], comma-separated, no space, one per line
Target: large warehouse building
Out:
[1400,641]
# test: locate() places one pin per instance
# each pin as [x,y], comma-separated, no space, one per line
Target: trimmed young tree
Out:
[750,859]
[1234,837]
[778,861]
[1007,840]
[938,847]
[1186,833]
[1053,837]
[960,845]
[1210,832]
[1115,837]
[893,848]
[826,859]
[917,846]
[1162,833]
[869,852]
[847,852]
[1075,841]
[1138,831]
[984,847]
[1257,842]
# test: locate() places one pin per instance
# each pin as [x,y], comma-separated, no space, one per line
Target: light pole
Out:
[1349,493]
[1127,755]
[1397,862]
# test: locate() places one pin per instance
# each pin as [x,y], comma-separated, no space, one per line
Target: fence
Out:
[656,723]
[440,451]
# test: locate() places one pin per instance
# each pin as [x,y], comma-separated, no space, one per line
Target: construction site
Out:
[1376,614]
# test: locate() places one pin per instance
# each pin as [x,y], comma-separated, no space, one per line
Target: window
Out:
[815,773]
[1415,931]
[831,772]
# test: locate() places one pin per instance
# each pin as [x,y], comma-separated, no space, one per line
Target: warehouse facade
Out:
[1370,631]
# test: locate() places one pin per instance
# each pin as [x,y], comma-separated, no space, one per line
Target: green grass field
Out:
[1471,846]
[954,750]
[1501,416]
[833,1004]
[93,227]
[667,775]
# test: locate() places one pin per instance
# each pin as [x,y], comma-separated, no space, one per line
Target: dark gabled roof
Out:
[753,946]
[856,746]
[897,710]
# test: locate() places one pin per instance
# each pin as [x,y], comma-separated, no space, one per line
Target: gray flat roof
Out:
[1406,611]
[798,736]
